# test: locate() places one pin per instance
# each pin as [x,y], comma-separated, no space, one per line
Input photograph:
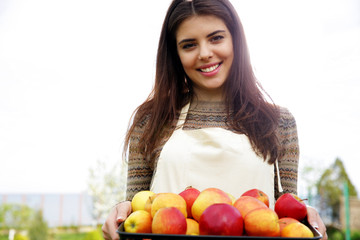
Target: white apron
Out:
[211,157]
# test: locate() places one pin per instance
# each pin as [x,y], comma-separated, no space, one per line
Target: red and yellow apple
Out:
[290,205]
[189,194]
[297,230]
[245,204]
[192,227]
[286,221]
[256,193]
[169,220]
[168,200]
[221,219]
[262,222]
[139,200]
[206,198]
[139,221]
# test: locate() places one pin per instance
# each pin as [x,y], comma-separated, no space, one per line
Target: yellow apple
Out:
[286,221]
[262,222]
[168,200]
[139,200]
[192,227]
[246,204]
[139,221]
[149,202]
[297,230]
[206,198]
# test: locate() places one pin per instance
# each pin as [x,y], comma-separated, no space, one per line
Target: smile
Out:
[209,69]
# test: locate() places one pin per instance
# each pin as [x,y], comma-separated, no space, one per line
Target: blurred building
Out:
[58,209]
[354,210]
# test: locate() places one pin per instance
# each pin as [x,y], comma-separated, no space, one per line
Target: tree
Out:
[106,186]
[330,189]
[16,216]
[38,229]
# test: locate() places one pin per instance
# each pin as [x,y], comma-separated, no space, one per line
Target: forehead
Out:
[199,25]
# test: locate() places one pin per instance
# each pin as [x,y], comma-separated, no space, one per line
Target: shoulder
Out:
[286,119]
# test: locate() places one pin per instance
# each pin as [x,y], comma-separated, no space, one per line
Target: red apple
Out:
[256,193]
[169,220]
[290,205]
[189,194]
[221,219]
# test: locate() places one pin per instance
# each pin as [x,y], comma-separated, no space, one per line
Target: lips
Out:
[209,68]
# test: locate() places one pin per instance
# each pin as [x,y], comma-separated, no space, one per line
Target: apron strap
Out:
[182,117]
[280,189]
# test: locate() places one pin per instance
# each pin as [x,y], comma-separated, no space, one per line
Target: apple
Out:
[192,227]
[262,222]
[206,198]
[139,221]
[149,202]
[286,221]
[139,200]
[221,219]
[256,193]
[290,205]
[297,230]
[233,199]
[168,200]
[169,220]
[246,204]
[189,194]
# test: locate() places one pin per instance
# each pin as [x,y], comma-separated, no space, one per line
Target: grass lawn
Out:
[69,236]
[60,236]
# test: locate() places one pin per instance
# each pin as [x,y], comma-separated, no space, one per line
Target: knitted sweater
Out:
[213,114]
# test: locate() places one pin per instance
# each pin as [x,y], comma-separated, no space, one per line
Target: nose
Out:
[205,52]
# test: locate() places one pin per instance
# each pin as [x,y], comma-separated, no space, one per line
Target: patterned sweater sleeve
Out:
[139,169]
[289,153]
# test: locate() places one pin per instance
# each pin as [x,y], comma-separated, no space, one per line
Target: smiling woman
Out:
[206,54]
[207,122]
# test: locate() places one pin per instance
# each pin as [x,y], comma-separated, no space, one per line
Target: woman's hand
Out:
[315,221]
[118,214]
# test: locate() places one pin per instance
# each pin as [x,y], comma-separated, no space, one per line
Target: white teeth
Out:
[209,69]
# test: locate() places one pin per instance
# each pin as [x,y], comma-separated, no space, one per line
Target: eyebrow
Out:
[193,39]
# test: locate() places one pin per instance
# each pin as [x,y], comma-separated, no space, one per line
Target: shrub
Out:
[355,235]
[93,235]
[20,237]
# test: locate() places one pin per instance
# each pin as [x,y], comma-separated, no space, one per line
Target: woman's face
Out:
[205,48]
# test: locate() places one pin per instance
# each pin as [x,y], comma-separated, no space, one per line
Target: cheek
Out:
[187,61]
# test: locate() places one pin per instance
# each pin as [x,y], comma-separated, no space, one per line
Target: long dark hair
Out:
[248,110]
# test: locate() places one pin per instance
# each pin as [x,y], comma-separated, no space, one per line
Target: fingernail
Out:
[315,225]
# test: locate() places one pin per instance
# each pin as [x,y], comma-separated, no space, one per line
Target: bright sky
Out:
[72,72]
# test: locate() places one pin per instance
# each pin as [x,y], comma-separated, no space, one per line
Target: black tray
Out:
[132,236]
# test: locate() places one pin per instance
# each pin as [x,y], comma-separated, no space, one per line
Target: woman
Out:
[207,122]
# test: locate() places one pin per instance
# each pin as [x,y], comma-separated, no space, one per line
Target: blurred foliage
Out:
[106,186]
[15,216]
[38,229]
[330,189]
[335,233]
[19,236]
[93,235]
